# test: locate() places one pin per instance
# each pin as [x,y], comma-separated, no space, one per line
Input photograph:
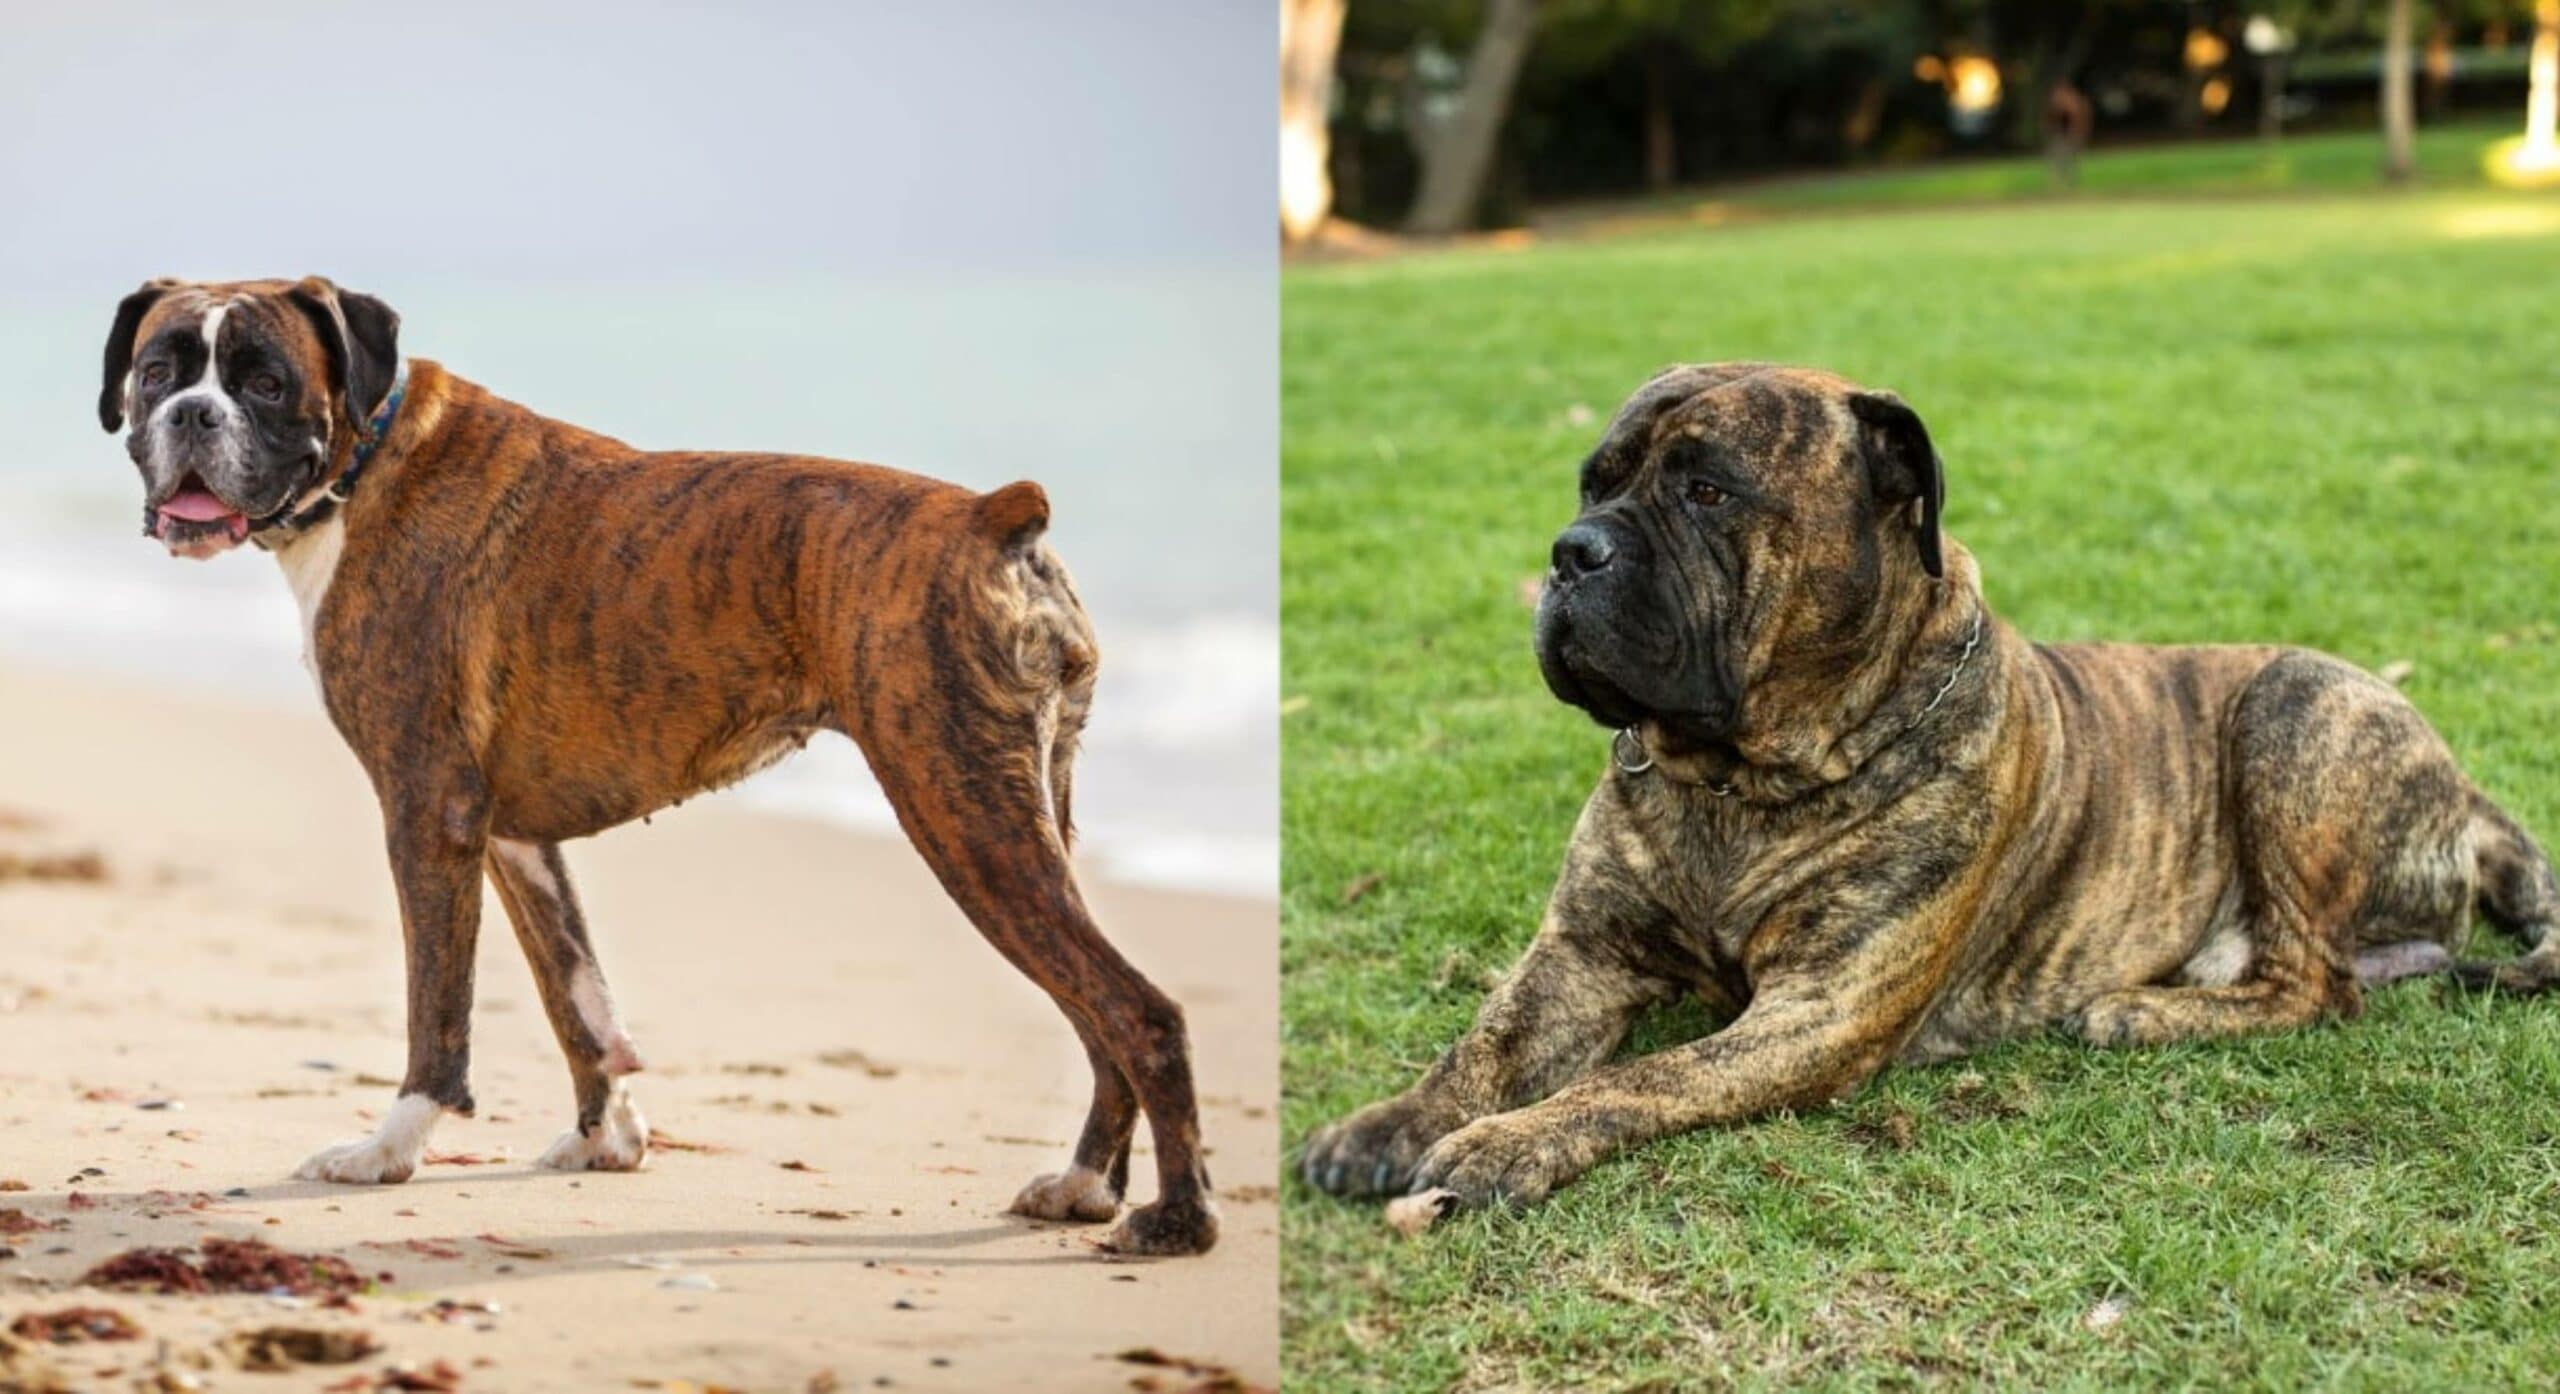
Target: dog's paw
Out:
[1510,1158]
[389,1156]
[618,1142]
[1373,1152]
[1165,1228]
[2122,1020]
[1078,1194]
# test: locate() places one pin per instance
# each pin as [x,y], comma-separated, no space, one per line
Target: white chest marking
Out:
[309,561]
[2221,960]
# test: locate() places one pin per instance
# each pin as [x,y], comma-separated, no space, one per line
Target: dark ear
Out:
[1903,466]
[120,349]
[362,336]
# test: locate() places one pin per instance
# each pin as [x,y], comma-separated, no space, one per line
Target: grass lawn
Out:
[2332,422]
[2448,156]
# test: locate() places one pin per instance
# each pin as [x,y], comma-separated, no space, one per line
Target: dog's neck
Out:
[1832,728]
[404,418]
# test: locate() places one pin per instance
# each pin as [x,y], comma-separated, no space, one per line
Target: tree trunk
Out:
[2399,122]
[1310,35]
[2271,98]
[1661,139]
[2542,97]
[1457,157]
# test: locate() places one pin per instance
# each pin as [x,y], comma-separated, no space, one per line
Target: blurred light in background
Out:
[2264,38]
[2533,159]
[1973,83]
[1973,88]
[2205,49]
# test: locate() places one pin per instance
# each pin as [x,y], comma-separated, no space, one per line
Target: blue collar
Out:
[369,438]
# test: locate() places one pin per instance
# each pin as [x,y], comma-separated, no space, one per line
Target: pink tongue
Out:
[195,506]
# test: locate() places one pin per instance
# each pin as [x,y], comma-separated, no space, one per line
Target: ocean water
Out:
[1143,402]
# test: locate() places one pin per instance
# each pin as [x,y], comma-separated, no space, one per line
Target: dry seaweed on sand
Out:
[73,1325]
[15,1221]
[84,868]
[229,1265]
[1205,1377]
[272,1349]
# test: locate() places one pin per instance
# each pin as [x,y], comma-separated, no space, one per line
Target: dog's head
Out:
[1741,524]
[242,396]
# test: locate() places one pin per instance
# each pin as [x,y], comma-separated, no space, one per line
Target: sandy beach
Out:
[847,1083]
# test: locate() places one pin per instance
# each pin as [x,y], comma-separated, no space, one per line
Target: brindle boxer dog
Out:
[1870,823]
[530,633]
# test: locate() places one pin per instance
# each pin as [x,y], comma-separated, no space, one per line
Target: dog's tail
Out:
[1015,515]
[2518,893]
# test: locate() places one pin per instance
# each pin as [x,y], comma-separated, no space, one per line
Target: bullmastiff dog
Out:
[529,632]
[1870,823]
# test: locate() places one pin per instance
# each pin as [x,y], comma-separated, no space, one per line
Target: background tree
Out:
[2540,153]
[1457,152]
[1672,42]
[1310,36]
[2399,113]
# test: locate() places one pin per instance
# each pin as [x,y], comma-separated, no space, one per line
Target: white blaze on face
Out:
[230,436]
[390,1155]
[208,384]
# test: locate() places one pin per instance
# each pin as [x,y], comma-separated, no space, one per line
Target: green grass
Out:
[2449,157]
[2332,422]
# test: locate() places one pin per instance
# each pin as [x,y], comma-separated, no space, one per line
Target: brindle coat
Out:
[534,633]
[1870,833]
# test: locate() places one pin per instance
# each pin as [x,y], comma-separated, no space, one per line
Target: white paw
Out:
[387,1157]
[619,1143]
[1074,1194]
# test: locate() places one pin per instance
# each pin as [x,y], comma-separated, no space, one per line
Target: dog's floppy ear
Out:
[362,336]
[120,348]
[1903,466]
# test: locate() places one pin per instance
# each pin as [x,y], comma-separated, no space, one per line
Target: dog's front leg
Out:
[437,840]
[1597,963]
[1787,1050]
[1562,1009]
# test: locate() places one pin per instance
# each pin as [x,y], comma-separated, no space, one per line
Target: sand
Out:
[869,1084]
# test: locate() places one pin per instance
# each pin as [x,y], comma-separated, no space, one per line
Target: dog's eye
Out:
[1706,495]
[154,374]
[268,386]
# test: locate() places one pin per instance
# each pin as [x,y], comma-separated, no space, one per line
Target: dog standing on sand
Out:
[528,633]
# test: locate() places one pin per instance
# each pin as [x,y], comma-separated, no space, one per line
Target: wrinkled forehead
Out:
[257,312]
[1755,412]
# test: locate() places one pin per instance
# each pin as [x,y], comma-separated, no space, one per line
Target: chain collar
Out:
[1627,739]
[368,439]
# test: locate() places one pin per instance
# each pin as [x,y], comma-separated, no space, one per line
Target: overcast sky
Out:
[531,139]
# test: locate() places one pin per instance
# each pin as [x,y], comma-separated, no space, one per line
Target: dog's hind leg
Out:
[2519,894]
[962,708]
[1098,1176]
[2351,826]
[966,789]
[533,883]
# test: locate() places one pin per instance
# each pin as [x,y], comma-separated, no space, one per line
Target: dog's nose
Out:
[198,415]
[1581,550]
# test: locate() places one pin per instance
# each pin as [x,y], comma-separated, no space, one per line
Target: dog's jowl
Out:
[528,633]
[1870,823]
